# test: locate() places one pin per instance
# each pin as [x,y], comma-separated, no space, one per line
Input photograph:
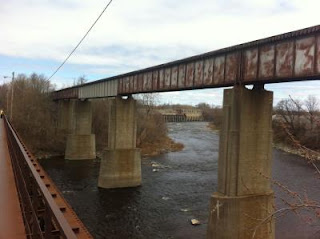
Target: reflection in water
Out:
[163,206]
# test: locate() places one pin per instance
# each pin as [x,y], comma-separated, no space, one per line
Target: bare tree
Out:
[301,119]
[80,81]
[148,101]
[34,113]
[312,105]
[290,111]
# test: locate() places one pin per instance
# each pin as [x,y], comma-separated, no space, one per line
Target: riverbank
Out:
[164,145]
[213,127]
[295,151]
[161,146]
[281,146]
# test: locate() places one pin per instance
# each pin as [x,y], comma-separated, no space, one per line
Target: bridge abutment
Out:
[76,118]
[244,198]
[121,163]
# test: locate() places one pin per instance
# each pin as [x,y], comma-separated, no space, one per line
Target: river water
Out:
[178,191]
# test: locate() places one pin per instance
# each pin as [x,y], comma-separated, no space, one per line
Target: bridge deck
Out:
[11,221]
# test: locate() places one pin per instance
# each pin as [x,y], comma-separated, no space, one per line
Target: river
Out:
[178,191]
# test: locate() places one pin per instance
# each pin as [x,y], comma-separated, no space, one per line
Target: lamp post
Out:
[12,80]
[11,103]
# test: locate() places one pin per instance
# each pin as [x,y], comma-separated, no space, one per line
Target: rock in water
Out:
[195,222]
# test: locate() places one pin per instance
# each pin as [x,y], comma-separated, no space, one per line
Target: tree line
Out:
[35,115]
[292,119]
[301,119]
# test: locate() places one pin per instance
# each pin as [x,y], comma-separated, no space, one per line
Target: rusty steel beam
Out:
[46,213]
[287,57]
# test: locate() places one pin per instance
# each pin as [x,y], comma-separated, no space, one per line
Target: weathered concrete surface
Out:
[65,115]
[121,163]
[78,123]
[80,147]
[239,216]
[120,168]
[244,194]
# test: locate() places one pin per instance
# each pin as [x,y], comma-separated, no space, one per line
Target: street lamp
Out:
[11,105]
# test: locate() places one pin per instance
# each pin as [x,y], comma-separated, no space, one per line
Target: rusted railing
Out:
[43,218]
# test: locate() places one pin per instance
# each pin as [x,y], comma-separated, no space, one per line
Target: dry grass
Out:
[160,146]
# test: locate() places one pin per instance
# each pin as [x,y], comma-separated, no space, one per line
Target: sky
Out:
[37,35]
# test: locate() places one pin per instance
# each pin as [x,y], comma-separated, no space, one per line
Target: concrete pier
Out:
[76,118]
[65,115]
[244,196]
[121,163]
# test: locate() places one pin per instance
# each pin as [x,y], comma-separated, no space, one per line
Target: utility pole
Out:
[8,93]
[12,81]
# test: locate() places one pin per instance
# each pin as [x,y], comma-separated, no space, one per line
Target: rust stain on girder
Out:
[218,71]
[140,82]
[251,64]
[182,76]
[131,83]
[167,76]
[284,64]
[127,84]
[190,74]
[161,79]
[305,55]
[198,76]
[208,71]
[155,82]
[231,68]
[174,77]
[317,56]
[267,58]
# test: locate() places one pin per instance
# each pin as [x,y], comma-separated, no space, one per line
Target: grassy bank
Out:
[161,146]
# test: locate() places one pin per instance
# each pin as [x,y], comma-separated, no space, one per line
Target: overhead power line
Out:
[74,49]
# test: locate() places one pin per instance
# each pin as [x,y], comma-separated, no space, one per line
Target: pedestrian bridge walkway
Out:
[31,205]
[11,220]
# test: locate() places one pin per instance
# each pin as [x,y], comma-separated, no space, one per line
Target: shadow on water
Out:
[163,206]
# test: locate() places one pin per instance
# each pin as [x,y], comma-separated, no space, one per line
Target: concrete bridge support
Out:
[244,196]
[76,118]
[65,113]
[121,163]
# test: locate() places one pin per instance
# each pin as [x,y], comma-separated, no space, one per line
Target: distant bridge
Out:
[180,114]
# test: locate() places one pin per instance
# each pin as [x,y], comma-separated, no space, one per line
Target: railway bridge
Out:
[244,196]
[244,192]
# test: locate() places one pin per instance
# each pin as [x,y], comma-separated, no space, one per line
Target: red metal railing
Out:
[42,216]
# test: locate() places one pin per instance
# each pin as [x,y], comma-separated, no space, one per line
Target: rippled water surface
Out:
[163,206]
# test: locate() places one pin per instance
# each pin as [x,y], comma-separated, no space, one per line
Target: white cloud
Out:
[50,29]
[135,34]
